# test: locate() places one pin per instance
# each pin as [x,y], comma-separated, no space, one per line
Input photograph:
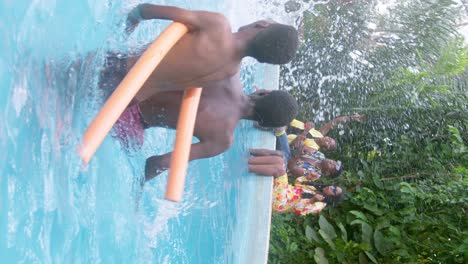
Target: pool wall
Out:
[253,247]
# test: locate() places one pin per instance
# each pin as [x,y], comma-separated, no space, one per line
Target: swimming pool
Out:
[54,211]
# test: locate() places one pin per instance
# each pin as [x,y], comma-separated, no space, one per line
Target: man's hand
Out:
[266,152]
[133,19]
[267,162]
[154,166]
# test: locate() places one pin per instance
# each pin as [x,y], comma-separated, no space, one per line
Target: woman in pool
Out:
[300,199]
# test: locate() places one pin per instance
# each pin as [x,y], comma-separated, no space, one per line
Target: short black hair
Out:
[277,44]
[276,109]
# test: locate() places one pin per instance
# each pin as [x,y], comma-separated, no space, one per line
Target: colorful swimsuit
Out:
[309,167]
[287,198]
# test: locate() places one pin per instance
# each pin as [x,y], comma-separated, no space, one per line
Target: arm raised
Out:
[193,19]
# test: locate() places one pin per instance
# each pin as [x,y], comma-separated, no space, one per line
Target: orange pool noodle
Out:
[184,133]
[127,89]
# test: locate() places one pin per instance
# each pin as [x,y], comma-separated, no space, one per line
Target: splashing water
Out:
[52,209]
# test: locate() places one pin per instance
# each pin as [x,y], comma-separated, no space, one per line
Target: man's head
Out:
[274,108]
[272,43]
[331,168]
[326,143]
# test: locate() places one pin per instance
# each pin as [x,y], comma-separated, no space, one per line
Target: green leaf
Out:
[362,258]
[371,257]
[293,247]
[436,88]
[373,208]
[319,256]
[356,222]
[364,246]
[395,232]
[380,243]
[311,234]
[378,182]
[359,215]
[401,252]
[327,239]
[406,188]
[344,234]
[327,227]
[366,230]
[366,233]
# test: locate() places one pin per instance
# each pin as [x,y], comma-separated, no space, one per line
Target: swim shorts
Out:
[129,128]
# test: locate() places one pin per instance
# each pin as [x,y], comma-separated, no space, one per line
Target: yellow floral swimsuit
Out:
[287,198]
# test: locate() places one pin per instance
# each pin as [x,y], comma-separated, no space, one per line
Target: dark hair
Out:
[276,109]
[277,44]
[329,200]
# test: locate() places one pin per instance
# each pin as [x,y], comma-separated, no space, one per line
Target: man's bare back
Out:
[206,53]
[210,51]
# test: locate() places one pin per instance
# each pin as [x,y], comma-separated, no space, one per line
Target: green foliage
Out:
[290,243]
[406,167]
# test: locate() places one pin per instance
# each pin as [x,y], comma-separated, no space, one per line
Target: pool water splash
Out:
[53,208]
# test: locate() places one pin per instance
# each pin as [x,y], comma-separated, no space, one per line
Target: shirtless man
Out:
[222,105]
[208,52]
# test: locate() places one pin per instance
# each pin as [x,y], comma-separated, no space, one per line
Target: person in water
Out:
[222,105]
[209,52]
[301,199]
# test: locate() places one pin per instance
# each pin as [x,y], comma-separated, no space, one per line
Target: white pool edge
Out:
[261,209]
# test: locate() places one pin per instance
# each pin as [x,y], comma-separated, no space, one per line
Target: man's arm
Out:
[339,120]
[203,149]
[193,19]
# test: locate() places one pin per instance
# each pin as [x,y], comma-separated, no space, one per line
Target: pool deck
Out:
[257,250]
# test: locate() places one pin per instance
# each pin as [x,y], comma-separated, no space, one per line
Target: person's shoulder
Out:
[218,17]
[215,20]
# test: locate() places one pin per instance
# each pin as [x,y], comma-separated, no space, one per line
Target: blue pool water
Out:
[54,211]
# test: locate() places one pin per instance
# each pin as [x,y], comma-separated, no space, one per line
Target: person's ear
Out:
[261,92]
[262,24]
